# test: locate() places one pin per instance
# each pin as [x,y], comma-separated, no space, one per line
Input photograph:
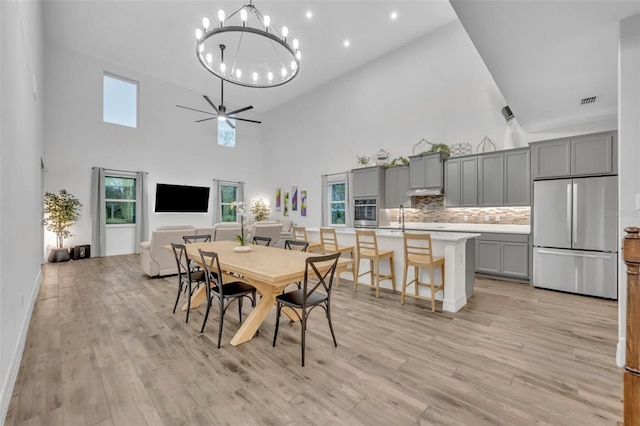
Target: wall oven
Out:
[365,212]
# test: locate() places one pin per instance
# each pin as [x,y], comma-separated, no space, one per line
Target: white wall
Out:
[167,144]
[628,154]
[21,147]
[436,87]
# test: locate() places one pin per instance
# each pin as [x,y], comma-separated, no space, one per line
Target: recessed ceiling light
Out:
[394,15]
[309,14]
[346,43]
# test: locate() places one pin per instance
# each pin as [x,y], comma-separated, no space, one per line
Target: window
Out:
[120,200]
[228,194]
[120,101]
[337,203]
[226,134]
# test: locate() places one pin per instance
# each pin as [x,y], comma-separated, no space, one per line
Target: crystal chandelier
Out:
[255,56]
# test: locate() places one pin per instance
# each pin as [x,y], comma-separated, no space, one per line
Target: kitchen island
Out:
[453,246]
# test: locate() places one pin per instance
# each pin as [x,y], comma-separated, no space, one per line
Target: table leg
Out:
[258,314]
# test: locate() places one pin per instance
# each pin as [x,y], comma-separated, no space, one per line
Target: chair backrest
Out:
[227,231]
[212,272]
[182,260]
[318,275]
[366,242]
[329,240]
[296,245]
[418,247]
[188,239]
[300,233]
[261,241]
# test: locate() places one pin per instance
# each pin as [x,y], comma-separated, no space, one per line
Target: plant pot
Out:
[242,249]
[59,255]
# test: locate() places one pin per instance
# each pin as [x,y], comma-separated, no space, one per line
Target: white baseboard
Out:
[621,352]
[10,379]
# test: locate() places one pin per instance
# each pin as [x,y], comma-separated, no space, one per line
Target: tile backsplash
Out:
[431,209]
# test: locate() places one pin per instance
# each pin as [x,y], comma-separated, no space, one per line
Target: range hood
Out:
[421,192]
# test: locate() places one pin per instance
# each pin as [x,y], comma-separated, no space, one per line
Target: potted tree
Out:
[61,211]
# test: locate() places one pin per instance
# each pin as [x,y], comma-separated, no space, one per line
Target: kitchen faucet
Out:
[401,217]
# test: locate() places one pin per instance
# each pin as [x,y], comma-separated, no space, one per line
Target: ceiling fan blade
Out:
[211,103]
[229,123]
[206,119]
[240,110]
[193,109]
[246,119]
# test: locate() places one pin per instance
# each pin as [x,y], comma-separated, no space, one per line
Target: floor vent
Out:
[590,100]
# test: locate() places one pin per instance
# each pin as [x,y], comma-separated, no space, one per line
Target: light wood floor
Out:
[104,349]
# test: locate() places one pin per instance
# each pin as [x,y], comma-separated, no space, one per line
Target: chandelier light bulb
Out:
[223,68]
[221,16]
[285,32]
[209,58]
[238,74]
[266,20]
[255,78]
[201,48]
[198,33]
[270,77]
[284,72]
[294,66]
[298,55]
[243,15]
[205,23]
[296,43]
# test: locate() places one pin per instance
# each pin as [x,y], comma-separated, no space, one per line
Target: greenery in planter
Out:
[363,160]
[398,161]
[439,147]
[61,211]
[260,210]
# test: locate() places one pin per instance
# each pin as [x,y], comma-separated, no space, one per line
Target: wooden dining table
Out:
[268,269]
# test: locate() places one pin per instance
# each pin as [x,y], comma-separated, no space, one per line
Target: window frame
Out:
[135,83]
[221,204]
[120,200]
[330,203]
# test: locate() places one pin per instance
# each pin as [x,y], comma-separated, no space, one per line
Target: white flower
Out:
[240,207]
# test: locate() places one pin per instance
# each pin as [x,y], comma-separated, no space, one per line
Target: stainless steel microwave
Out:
[365,212]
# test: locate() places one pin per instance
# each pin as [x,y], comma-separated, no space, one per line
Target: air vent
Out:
[590,100]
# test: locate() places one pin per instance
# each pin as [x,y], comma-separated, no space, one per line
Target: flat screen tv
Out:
[181,198]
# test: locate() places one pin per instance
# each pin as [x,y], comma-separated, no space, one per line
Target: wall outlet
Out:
[497,218]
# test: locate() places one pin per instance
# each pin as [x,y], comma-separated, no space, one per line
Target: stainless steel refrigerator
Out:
[575,240]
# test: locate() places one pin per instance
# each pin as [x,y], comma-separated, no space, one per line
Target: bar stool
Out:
[300,234]
[367,248]
[329,243]
[418,253]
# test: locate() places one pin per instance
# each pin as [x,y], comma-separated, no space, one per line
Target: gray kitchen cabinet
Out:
[517,181]
[367,182]
[461,182]
[594,154]
[491,180]
[426,171]
[396,183]
[503,255]
[452,183]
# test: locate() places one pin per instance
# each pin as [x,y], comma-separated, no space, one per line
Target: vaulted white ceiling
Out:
[157,37]
[546,56]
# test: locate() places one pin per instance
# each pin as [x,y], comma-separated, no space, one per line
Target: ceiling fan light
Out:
[221,118]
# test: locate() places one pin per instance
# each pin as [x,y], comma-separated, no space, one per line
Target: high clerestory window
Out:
[120,101]
[226,134]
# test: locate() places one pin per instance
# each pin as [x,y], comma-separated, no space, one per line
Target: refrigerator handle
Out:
[569,212]
[575,214]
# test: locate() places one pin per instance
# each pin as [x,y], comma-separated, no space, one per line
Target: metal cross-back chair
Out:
[186,276]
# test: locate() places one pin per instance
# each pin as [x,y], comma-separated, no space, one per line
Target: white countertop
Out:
[463,227]
[436,235]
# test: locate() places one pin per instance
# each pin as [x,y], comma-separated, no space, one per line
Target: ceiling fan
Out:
[221,110]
